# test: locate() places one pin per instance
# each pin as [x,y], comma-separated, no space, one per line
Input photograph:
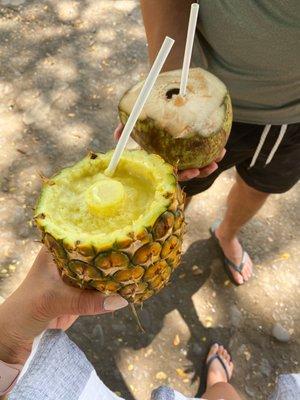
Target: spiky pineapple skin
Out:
[195,151]
[136,268]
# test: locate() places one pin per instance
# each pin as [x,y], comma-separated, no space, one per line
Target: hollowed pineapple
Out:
[120,234]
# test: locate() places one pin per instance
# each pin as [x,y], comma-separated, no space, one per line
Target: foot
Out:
[233,251]
[216,372]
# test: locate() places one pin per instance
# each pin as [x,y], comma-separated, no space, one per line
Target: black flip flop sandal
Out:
[228,263]
[219,358]
[204,372]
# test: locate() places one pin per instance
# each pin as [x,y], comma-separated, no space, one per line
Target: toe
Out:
[246,272]
[237,277]
[226,356]
[213,350]
[245,276]
[227,359]
[230,367]
[220,351]
[225,353]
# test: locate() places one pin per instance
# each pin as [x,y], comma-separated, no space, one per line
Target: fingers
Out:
[88,302]
[188,174]
[208,170]
[221,156]
[57,298]
[71,301]
[192,173]
[118,131]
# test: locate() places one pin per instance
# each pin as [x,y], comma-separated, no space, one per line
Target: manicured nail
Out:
[114,302]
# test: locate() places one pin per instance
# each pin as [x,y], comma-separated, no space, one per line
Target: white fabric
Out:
[96,390]
[260,144]
[35,346]
[277,143]
[297,379]
[287,388]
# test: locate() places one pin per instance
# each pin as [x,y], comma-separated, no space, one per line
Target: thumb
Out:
[90,302]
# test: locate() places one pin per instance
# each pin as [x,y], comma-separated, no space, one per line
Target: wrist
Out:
[14,348]
[14,353]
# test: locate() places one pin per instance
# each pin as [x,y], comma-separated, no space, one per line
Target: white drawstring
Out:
[277,143]
[262,141]
[260,144]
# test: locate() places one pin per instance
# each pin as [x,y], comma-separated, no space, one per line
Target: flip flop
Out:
[228,263]
[219,358]
[204,372]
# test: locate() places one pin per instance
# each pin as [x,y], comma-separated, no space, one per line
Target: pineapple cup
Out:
[117,235]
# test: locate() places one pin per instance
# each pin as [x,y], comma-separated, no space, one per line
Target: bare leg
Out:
[221,390]
[243,202]
[217,385]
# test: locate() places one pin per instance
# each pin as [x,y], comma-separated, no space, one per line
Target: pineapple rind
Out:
[121,270]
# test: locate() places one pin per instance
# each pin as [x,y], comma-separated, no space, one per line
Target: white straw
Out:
[139,104]
[188,48]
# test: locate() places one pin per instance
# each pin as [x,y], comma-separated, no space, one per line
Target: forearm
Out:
[166,18]
[23,316]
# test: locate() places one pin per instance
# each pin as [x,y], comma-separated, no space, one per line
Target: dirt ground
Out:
[64,65]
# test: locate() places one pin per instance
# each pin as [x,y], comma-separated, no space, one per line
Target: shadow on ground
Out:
[175,311]
[122,331]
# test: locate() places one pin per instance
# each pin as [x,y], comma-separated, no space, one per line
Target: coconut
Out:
[188,132]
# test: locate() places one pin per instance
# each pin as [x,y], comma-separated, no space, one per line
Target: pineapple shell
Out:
[135,263]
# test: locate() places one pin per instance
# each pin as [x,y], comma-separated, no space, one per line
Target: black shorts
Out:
[280,175]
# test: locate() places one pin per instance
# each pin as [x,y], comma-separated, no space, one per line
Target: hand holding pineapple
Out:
[44,301]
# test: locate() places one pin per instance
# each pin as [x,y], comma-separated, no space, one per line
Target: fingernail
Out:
[114,302]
